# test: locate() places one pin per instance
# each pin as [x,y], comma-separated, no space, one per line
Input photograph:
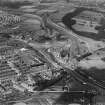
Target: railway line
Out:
[91,81]
[54,63]
[70,34]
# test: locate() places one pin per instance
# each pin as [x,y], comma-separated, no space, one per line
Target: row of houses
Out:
[6,72]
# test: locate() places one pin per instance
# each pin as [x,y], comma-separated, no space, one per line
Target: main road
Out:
[76,40]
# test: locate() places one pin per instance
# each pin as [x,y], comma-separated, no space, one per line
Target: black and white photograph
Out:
[52,52]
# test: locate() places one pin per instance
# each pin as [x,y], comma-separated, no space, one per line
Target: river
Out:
[67,20]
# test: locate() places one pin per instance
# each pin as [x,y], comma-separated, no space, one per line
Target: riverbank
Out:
[69,22]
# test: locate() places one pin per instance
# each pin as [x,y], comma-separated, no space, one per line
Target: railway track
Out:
[75,38]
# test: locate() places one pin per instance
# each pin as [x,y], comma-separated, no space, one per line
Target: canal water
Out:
[68,21]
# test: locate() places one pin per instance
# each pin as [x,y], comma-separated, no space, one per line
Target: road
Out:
[75,38]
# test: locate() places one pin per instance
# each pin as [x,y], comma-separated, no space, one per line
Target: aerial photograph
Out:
[52,52]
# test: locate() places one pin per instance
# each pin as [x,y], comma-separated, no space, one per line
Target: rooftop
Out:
[5,70]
